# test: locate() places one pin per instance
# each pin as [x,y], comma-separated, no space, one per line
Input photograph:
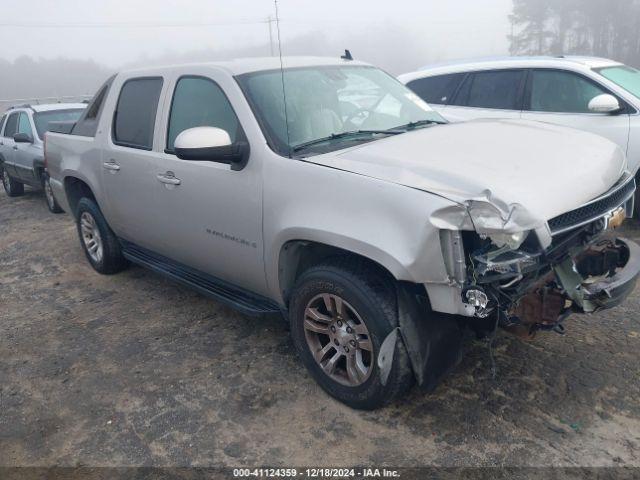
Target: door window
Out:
[437,90]
[499,89]
[135,115]
[200,102]
[24,126]
[12,125]
[558,91]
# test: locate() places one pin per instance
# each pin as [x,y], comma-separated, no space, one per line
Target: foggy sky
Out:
[69,47]
[121,32]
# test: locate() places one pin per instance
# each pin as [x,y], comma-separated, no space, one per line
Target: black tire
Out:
[50,199]
[373,297]
[636,207]
[111,260]
[11,186]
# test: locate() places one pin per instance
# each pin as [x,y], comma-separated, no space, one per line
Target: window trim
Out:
[114,118]
[240,134]
[471,78]
[627,109]
[2,122]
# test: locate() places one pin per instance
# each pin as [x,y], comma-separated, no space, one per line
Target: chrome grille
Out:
[615,198]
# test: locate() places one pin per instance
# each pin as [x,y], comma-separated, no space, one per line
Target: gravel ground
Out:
[134,370]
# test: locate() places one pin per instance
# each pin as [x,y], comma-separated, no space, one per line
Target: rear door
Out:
[129,163]
[8,145]
[562,97]
[488,94]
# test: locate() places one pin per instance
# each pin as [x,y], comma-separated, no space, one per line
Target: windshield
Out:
[325,104]
[623,76]
[42,119]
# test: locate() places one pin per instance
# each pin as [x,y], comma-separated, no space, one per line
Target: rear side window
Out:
[12,125]
[87,124]
[494,89]
[135,115]
[437,90]
[199,102]
[557,91]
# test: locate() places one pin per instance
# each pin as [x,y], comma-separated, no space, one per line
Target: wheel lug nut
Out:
[336,342]
[353,343]
[349,330]
[346,349]
[333,329]
[339,323]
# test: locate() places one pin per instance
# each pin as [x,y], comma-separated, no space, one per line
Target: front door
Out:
[25,153]
[214,214]
[562,97]
[131,203]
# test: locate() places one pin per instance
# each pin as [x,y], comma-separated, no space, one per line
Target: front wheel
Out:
[52,203]
[11,186]
[340,314]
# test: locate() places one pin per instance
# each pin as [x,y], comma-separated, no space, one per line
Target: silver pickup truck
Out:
[329,192]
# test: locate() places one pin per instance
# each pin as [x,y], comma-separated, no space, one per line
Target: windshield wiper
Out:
[336,136]
[417,124]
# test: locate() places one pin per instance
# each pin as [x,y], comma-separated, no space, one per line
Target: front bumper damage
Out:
[579,267]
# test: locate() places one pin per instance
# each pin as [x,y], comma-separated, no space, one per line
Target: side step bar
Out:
[237,298]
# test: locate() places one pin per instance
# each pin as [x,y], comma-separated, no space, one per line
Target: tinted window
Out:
[438,90]
[12,125]
[135,114]
[495,89]
[198,102]
[556,91]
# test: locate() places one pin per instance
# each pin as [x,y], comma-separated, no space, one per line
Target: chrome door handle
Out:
[111,165]
[15,147]
[169,178]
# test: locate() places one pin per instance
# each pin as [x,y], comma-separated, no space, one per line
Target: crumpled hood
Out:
[545,168]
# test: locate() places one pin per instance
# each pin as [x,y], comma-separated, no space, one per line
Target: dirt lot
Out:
[134,370]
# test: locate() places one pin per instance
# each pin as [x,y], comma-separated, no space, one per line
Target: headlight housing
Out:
[511,240]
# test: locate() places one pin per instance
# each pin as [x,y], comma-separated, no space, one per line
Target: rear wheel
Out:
[99,243]
[340,314]
[52,203]
[11,186]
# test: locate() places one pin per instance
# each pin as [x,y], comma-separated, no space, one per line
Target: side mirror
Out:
[211,144]
[22,138]
[604,103]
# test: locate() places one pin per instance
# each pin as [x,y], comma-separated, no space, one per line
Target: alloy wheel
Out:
[48,193]
[91,236]
[338,340]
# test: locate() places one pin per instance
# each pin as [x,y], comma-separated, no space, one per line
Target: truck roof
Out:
[257,64]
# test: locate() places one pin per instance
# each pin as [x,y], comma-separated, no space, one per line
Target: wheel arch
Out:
[76,188]
[297,255]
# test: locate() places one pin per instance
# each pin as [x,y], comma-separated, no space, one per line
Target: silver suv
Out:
[22,131]
[378,229]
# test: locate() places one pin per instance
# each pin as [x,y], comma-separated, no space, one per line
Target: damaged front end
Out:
[529,277]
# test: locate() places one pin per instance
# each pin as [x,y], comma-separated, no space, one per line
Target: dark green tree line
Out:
[605,28]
